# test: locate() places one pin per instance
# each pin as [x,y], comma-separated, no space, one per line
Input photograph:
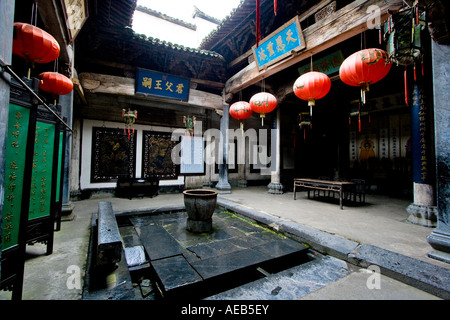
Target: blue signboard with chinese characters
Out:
[279,44]
[162,85]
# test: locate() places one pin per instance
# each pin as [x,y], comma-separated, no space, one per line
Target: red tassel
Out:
[406,88]
[275,7]
[379,36]
[417,15]
[304,134]
[359,123]
[349,120]
[258,25]
[415,75]
[421,65]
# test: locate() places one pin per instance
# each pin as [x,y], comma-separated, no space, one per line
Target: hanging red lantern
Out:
[365,67]
[263,103]
[55,83]
[241,110]
[312,86]
[34,44]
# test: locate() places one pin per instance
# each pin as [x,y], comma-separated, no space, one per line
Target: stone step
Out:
[290,284]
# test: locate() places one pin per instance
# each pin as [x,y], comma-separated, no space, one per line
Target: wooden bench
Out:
[137,187]
[341,187]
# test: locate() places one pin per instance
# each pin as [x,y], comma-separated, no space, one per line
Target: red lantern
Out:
[34,44]
[363,68]
[241,110]
[55,83]
[263,103]
[312,86]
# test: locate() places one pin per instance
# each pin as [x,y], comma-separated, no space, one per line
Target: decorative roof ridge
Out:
[226,20]
[174,46]
[166,17]
[203,15]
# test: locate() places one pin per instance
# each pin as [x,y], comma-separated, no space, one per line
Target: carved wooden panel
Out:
[113,155]
[157,156]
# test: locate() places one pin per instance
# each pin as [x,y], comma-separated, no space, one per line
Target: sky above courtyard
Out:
[182,10]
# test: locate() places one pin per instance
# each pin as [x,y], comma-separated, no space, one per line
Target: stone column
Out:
[439,239]
[6,23]
[223,186]
[66,103]
[423,211]
[275,186]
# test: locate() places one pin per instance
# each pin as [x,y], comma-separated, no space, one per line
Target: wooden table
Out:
[327,185]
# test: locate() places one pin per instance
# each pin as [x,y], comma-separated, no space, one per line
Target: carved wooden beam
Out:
[101,83]
[339,26]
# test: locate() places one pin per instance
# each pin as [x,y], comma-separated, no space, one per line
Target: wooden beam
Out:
[339,26]
[132,69]
[301,18]
[101,83]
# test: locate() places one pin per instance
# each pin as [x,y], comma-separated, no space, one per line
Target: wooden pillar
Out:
[6,23]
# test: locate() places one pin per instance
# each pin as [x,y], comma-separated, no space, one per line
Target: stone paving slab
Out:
[175,272]
[158,243]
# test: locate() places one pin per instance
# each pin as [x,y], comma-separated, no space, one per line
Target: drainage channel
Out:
[239,259]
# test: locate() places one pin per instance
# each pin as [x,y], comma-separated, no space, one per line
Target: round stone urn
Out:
[200,205]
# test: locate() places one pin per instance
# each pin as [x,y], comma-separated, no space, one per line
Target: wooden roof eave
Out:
[339,26]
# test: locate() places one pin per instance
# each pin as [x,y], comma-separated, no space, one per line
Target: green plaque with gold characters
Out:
[16,144]
[41,178]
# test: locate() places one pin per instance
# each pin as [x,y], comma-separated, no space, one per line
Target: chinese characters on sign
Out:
[279,44]
[14,168]
[328,64]
[41,178]
[162,85]
[419,129]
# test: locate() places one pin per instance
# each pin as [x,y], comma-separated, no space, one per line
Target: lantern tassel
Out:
[406,87]
[359,123]
[258,24]
[415,74]
[421,65]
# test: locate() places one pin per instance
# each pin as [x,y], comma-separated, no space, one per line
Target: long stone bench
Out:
[109,241]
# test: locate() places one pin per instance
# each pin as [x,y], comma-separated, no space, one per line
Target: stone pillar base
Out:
[67,211]
[422,215]
[242,183]
[223,188]
[441,243]
[275,188]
